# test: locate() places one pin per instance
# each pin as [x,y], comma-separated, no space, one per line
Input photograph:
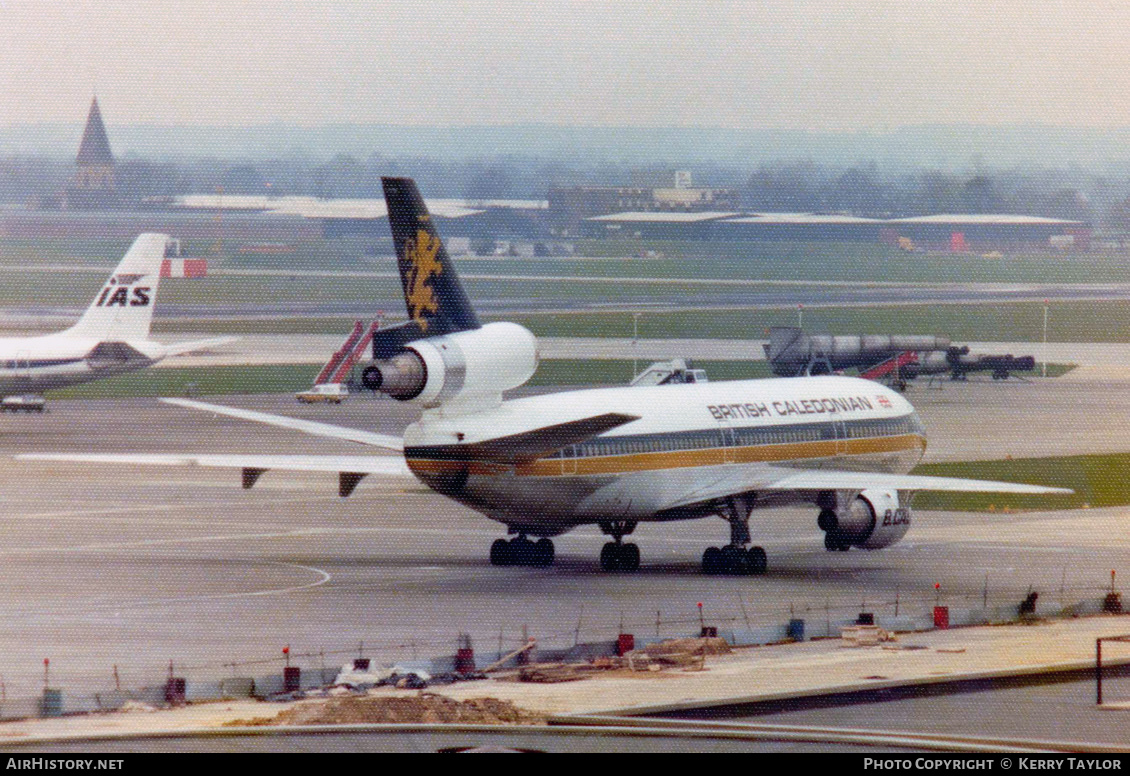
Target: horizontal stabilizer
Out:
[529,445]
[311,427]
[351,469]
[182,348]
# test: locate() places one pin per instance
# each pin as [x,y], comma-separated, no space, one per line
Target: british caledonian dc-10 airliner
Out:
[614,457]
[111,337]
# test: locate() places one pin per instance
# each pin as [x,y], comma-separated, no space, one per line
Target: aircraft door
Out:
[729,440]
[841,433]
[569,459]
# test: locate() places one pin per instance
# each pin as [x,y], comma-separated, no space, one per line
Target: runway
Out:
[104,566]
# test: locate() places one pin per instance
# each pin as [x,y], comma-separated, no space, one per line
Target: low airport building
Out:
[955,232]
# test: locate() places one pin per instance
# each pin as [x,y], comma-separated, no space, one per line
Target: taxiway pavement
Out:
[104,566]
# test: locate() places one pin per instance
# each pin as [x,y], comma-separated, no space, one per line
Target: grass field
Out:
[284,378]
[753,260]
[1107,321]
[1098,481]
[617,372]
[196,381]
[851,261]
[763,259]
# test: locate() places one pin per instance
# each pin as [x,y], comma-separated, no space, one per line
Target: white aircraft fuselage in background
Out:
[111,338]
[38,364]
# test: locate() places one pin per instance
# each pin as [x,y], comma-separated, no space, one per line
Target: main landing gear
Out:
[829,523]
[734,559]
[520,551]
[616,556]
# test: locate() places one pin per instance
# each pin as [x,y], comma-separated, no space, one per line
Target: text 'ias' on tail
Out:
[123,307]
[435,299]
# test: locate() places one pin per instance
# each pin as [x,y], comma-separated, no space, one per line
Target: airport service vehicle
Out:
[614,457]
[673,372]
[111,338]
[890,358]
[330,393]
[25,402]
[329,386]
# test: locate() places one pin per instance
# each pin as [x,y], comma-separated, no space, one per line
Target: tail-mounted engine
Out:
[874,519]
[479,362]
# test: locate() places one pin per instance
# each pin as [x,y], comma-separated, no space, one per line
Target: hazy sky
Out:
[796,65]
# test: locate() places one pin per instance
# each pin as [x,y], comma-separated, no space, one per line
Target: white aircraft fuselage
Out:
[685,437]
[37,364]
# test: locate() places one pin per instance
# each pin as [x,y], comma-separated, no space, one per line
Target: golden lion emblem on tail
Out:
[420,254]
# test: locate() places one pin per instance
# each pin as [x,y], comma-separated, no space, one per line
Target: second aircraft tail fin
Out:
[123,308]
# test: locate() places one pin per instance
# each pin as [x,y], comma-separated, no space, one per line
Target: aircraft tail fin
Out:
[435,299]
[123,307]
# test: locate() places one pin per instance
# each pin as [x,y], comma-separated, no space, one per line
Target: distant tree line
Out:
[790,186]
[864,191]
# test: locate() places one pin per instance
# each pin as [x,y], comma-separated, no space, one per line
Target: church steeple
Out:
[95,147]
[92,187]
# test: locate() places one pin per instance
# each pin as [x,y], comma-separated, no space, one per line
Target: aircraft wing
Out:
[180,348]
[351,469]
[735,480]
[529,445]
[510,449]
[312,427]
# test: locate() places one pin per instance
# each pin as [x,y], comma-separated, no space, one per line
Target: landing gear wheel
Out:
[734,561]
[610,556]
[543,553]
[522,550]
[834,542]
[827,520]
[500,554]
[629,557]
[619,557]
[712,562]
[756,560]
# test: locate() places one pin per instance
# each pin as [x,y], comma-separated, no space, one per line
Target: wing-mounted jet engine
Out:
[870,520]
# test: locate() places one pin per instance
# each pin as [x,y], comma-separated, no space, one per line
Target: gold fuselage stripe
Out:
[676,459]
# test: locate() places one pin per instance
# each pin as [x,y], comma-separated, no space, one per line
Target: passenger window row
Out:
[743,437]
